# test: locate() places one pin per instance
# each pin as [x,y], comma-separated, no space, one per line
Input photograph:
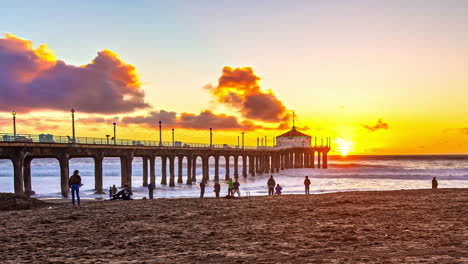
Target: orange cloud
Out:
[239,88]
[32,78]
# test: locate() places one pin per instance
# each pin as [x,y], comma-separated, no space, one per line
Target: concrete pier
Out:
[254,161]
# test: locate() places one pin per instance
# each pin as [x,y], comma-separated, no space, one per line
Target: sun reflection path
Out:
[343,146]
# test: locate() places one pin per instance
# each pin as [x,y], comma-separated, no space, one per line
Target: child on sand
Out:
[278,189]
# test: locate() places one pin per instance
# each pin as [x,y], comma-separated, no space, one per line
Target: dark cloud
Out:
[203,120]
[239,88]
[380,125]
[34,79]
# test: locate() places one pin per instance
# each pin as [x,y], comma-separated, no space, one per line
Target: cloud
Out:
[380,125]
[239,88]
[203,120]
[32,78]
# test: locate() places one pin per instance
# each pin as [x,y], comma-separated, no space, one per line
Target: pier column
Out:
[258,164]
[152,165]
[244,166]
[291,160]
[171,171]
[216,168]
[205,174]
[27,176]
[122,171]
[189,170]
[127,179]
[252,165]
[312,159]
[325,160]
[98,173]
[236,167]
[307,159]
[164,170]
[180,159]
[266,164]
[282,159]
[194,170]
[64,171]
[318,159]
[227,168]
[145,171]
[18,162]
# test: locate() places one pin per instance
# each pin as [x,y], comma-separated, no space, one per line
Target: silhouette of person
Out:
[271,185]
[236,188]
[150,190]
[278,189]
[307,184]
[75,183]
[435,184]
[202,189]
[217,189]
[114,189]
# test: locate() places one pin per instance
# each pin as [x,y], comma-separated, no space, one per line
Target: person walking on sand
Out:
[150,191]
[271,185]
[75,183]
[236,188]
[435,184]
[217,189]
[278,189]
[230,187]
[307,184]
[202,189]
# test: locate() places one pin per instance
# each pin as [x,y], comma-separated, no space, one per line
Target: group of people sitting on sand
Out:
[124,194]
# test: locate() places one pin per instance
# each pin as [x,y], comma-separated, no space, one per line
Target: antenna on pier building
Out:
[294,120]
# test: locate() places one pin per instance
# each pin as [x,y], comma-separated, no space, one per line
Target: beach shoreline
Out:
[406,226]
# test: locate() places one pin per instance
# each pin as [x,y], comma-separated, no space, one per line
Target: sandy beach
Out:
[415,226]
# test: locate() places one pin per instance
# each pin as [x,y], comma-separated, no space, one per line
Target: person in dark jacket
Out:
[307,184]
[124,194]
[75,183]
[435,184]
[278,189]
[217,189]
[271,185]
[236,188]
[202,189]
[150,191]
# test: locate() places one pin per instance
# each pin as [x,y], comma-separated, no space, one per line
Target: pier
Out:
[255,160]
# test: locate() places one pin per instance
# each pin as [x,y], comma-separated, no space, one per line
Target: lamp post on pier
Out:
[211,137]
[173,138]
[73,124]
[160,135]
[14,125]
[242,140]
[115,138]
[238,141]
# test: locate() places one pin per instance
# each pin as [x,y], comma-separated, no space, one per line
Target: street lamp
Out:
[115,138]
[238,142]
[173,138]
[242,140]
[160,135]
[107,136]
[211,137]
[14,124]
[73,124]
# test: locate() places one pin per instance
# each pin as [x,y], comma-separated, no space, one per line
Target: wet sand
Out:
[416,226]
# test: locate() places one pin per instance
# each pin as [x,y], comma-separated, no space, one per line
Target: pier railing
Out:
[53,139]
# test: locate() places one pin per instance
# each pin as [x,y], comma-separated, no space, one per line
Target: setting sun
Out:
[343,146]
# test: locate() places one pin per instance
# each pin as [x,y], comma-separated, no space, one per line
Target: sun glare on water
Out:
[343,146]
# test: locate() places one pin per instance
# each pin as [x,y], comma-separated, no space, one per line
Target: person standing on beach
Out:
[217,189]
[271,185]
[202,189]
[110,193]
[236,188]
[435,184]
[75,183]
[114,190]
[278,189]
[150,191]
[230,187]
[307,184]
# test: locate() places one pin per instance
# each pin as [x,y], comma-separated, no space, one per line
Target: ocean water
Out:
[352,173]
